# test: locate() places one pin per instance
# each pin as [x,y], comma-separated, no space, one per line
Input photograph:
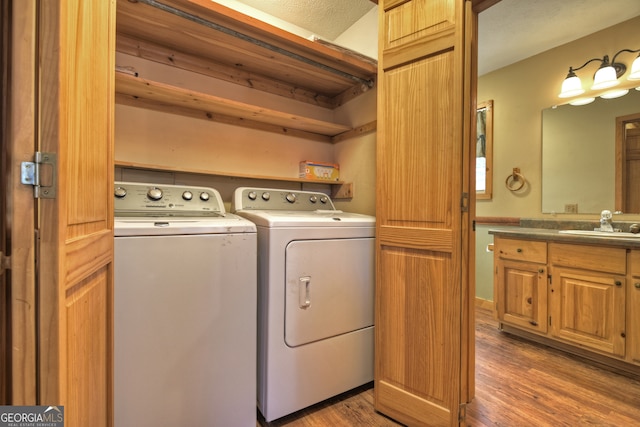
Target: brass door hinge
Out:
[462,412]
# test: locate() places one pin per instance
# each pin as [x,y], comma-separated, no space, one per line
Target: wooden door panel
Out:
[88,352]
[411,357]
[76,251]
[588,309]
[21,206]
[417,19]
[522,294]
[632,145]
[423,345]
[408,181]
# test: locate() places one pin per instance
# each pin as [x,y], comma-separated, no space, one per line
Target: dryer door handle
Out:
[304,292]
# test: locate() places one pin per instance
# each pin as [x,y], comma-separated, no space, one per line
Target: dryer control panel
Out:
[141,199]
[248,198]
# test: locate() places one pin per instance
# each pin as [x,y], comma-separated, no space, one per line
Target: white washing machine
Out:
[185,309]
[315,297]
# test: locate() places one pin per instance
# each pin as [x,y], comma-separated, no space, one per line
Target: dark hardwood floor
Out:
[518,384]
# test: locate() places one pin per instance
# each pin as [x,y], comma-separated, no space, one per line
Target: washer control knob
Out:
[291,198]
[204,196]
[324,199]
[187,195]
[252,195]
[313,199]
[120,192]
[154,193]
[266,196]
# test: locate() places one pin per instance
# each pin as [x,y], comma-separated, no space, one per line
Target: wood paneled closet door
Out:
[75,112]
[425,206]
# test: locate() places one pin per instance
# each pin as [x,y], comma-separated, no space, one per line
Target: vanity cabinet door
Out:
[521,294]
[587,296]
[633,310]
[588,309]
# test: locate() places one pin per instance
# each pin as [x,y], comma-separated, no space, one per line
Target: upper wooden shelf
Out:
[206,37]
[132,90]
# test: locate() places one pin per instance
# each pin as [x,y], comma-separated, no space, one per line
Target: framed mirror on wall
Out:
[589,155]
[484,150]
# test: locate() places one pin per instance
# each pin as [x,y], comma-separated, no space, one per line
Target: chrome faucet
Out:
[605,221]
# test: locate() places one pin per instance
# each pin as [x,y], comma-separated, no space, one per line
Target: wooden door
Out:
[75,121]
[522,294]
[425,198]
[20,376]
[633,308]
[588,308]
[628,163]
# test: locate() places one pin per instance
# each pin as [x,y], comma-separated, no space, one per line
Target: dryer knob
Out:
[291,198]
[187,195]
[204,196]
[266,196]
[313,199]
[120,192]
[154,193]
[324,199]
[252,195]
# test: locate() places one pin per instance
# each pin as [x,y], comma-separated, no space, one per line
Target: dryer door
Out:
[329,288]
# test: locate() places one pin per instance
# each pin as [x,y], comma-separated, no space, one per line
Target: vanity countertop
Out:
[556,236]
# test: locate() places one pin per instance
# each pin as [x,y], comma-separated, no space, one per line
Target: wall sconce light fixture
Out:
[606,76]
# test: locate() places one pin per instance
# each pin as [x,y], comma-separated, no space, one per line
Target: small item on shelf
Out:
[319,170]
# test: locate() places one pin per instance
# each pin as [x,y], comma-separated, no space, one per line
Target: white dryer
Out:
[315,297]
[184,309]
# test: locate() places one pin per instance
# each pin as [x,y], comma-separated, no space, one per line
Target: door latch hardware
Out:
[464,202]
[42,174]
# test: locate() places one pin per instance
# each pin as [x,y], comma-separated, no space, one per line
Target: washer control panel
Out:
[247,198]
[141,199]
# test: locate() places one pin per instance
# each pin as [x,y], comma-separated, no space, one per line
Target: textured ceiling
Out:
[509,31]
[325,18]
[513,30]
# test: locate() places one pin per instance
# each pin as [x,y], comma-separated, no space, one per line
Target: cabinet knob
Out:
[637,285]
[518,250]
[618,283]
[541,270]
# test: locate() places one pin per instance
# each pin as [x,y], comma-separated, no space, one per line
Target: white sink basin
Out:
[599,233]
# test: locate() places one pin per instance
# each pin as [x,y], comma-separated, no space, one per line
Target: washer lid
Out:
[229,224]
[319,218]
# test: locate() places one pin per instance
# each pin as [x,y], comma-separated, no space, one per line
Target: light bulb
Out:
[582,101]
[605,77]
[634,74]
[571,86]
[614,94]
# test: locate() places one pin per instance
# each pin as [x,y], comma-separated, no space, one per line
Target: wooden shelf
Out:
[206,37]
[161,168]
[137,91]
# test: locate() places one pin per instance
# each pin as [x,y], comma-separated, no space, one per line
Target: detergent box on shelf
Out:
[319,170]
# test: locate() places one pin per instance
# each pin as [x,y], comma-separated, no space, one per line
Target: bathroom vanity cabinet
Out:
[521,283]
[633,308]
[578,293]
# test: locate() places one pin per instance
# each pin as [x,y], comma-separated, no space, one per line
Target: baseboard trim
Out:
[484,304]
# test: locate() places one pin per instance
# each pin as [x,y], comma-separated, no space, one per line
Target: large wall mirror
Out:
[484,150]
[579,160]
